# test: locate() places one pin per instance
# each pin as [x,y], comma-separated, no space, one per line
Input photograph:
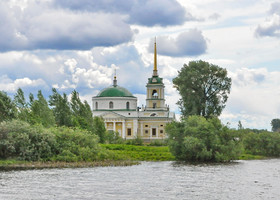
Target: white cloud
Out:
[72,64]
[271,27]
[8,85]
[40,26]
[254,98]
[188,43]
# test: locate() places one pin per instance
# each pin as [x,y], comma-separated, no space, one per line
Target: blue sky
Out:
[69,44]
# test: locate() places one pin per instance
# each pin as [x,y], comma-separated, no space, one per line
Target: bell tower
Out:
[155,100]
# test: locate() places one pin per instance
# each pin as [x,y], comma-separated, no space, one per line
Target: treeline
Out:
[58,129]
[58,111]
[198,139]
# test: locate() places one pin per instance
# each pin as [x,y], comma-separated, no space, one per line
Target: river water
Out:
[257,179]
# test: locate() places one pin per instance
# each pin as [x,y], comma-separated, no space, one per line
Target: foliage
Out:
[114,138]
[136,141]
[40,111]
[20,140]
[139,153]
[22,106]
[7,107]
[275,123]
[264,143]
[199,139]
[81,112]
[203,87]
[75,144]
[61,109]
[158,143]
[99,128]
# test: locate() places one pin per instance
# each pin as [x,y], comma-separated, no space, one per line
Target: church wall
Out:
[118,103]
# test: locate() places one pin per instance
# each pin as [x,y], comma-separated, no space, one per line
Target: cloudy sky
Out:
[70,44]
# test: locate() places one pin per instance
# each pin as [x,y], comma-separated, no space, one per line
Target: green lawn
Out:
[140,153]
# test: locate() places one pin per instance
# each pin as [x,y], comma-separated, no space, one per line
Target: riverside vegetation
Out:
[63,131]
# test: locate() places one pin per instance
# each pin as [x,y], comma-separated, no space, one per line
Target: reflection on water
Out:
[258,179]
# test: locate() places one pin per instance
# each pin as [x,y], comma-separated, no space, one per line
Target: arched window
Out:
[154,105]
[96,106]
[111,105]
[127,105]
[155,94]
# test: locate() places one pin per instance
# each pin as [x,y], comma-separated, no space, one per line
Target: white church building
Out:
[118,107]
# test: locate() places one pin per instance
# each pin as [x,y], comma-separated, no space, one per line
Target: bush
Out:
[197,139]
[76,143]
[25,142]
[158,143]
[264,143]
[114,138]
[136,141]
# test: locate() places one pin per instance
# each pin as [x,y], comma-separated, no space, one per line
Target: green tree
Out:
[61,108]
[22,105]
[275,123]
[203,87]
[82,115]
[199,139]
[99,129]
[240,125]
[7,107]
[40,111]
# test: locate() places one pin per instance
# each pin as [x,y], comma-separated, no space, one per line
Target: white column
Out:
[123,129]
[141,129]
[135,127]
[114,126]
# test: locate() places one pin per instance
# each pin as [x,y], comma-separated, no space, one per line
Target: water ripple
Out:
[151,180]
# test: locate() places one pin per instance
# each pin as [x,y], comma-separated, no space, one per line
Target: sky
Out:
[77,45]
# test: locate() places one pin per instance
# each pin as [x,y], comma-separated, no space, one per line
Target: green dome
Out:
[115,91]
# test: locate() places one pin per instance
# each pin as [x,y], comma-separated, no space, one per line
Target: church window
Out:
[127,105]
[154,105]
[155,94]
[161,131]
[153,114]
[154,132]
[146,125]
[146,131]
[129,131]
[96,105]
[111,105]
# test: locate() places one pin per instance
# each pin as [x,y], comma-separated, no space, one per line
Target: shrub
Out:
[199,139]
[264,143]
[136,141]
[25,142]
[114,138]
[80,144]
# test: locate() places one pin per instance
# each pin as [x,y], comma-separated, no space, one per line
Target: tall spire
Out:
[115,79]
[155,59]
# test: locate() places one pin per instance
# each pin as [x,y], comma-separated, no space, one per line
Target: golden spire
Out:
[155,59]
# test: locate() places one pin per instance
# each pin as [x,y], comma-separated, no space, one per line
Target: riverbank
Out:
[121,155]
[24,165]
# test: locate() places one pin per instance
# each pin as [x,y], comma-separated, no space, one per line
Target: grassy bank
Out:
[119,155]
[139,153]
[23,165]
[245,156]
